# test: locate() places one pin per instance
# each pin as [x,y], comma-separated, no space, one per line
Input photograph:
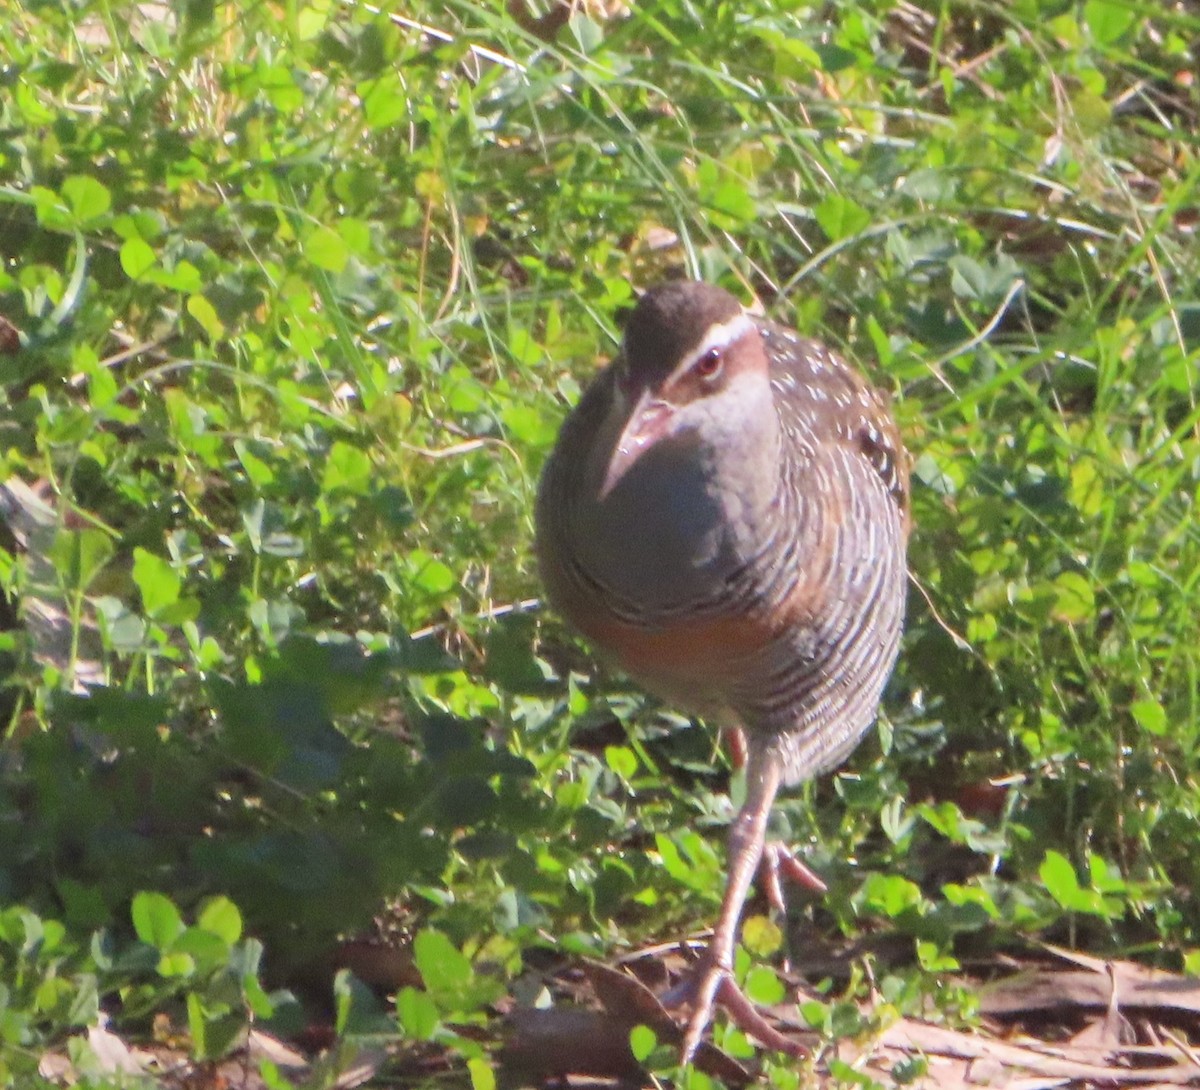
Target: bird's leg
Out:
[777,859]
[735,740]
[712,982]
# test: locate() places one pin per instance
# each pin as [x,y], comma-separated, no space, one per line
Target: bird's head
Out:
[691,360]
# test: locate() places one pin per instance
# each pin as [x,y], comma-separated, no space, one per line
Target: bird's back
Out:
[821,397]
[837,580]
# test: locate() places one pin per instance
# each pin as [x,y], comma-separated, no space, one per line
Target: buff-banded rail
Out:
[725,514]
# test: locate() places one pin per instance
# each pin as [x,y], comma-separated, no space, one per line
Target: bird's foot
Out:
[711,985]
[779,860]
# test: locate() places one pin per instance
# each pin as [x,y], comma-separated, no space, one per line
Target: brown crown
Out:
[670,320]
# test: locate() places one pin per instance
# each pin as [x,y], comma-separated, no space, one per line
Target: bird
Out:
[725,514]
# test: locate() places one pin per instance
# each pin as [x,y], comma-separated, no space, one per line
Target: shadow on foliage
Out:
[259,792]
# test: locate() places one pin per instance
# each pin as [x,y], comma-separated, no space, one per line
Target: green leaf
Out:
[84,1006]
[258,471]
[1059,878]
[588,32]
[986,283]
[1074,599]
[642,1041]
[311,19]
[817,1014]
[156,920]
[343,999]
[206,316]
[429,574]
[672,861]
[761,936]
[86,197]
[528,425]
[483,1077]
[933,959]
[1105,877]
[326,249]
[723,191]
[970,279]
[384,101]
[890,894]
[622,760]
[764,987]
[1110,20]
[197,1024]
[221,916]
[261,1005]
[417,1014]
[103,390]
[1150,715]
[523,346]
[443,967]
[973,896]
[137,258]
[840,217]
[347,467]
[80,555]
[53,995]
[184,277]
[176,964]
[207,950]
[463,392]
[158,581]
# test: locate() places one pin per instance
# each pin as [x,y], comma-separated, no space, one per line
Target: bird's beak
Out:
[649,421]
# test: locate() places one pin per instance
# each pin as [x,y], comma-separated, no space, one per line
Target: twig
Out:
[525,605]
[443,36]
[979,337]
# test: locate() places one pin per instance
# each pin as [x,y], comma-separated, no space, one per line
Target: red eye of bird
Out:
[709,365]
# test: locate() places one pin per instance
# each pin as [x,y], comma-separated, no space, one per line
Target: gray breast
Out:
[659,539]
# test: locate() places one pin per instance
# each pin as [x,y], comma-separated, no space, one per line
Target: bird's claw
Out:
[711,985]
[778,859]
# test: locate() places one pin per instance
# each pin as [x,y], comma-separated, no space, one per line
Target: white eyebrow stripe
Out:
[721,335]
